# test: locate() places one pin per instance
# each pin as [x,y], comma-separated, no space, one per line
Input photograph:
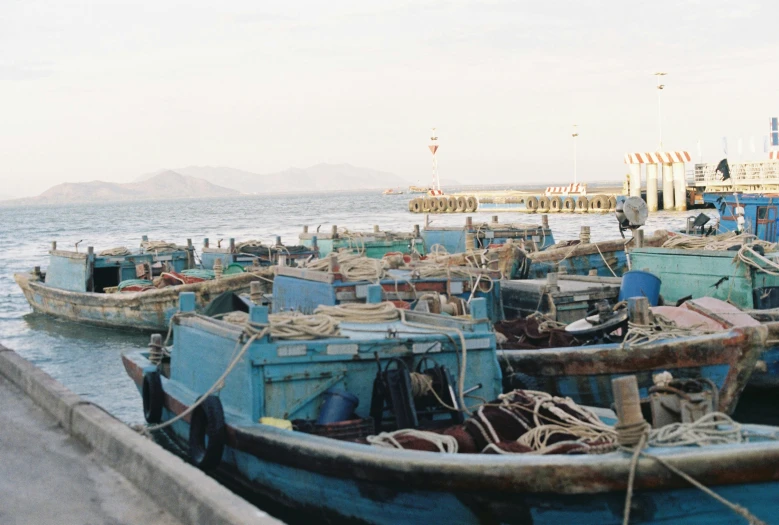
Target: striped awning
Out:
[773,155]
[658,157]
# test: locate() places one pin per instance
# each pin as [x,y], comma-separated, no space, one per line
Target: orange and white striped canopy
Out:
[658,157]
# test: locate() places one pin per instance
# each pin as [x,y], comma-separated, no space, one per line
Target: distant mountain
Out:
[322,177]
[163,185]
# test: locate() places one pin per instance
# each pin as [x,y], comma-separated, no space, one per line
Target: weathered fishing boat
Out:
[261,431]
[475,236]
[375,244]
[580,361]
[725,267]
[125,289]
[604,258]
[745,212]
[248,254]
[348,278]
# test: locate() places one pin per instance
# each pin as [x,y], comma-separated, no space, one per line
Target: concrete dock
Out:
[64,460]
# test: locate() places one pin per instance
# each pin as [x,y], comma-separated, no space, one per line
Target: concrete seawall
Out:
[185,492]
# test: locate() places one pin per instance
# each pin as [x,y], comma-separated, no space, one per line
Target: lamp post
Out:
[659,108]
[574,135]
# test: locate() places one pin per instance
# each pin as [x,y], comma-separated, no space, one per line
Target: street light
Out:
[659,109]
[574,135]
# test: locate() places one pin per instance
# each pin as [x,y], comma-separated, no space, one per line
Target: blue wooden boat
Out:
[346,480]
[603,258]
[745,212]
[480,236]
[721,274]
[85,286]
[304,289]
[251,254]
[375,244]
[582,366]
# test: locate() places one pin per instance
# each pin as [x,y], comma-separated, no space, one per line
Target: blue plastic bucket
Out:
[339,405]
[637,283]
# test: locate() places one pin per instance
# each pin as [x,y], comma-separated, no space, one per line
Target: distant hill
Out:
[163,185]
[322,177]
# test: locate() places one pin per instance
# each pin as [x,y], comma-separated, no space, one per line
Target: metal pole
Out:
[659,108]
[575,134]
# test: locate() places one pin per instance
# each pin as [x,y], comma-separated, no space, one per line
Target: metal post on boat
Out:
[416,231]
[545,221]
[334,231]
[232,245]
[145,238]
[584,235]
[255,292]
[627,401]
[314,246]
[332,261]
[494,219]
[469,222]
[90,250]
[552,282]
[305,229]
[36,271]
[375,228]
[155,349]
[639,238]
[638,311]
[53,245]
[375,294]
[278,240]
[205,242]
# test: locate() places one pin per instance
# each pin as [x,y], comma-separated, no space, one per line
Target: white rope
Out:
[158,246]
[444,443]
[118,251]
[361,312]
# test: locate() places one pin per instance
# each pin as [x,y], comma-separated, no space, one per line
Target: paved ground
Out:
[46,476]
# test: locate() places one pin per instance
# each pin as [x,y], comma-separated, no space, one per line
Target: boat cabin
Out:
[375,244]
[473,236]
[743,212]
[253,253]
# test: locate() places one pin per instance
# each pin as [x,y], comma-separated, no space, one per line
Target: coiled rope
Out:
[115,252]
[353,267]
[158,246]
[444,443]
[716,242]
[704,431]
[361,312]
[661,328]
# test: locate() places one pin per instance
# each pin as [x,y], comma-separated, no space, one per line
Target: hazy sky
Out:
[110,90]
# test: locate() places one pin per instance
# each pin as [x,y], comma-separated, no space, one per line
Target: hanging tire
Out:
[569,204]
[471,204]
[532,203]
[153,397]
[555,204]
[543,204]
[440,204]
[208,421]
[451,204]
[582,203]
[416,205]
[428,205]
[599,203]
[462,204]
[612,203]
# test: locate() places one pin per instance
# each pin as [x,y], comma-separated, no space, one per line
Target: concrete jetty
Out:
[64,460]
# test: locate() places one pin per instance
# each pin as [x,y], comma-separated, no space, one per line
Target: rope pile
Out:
[361,312]
[720,242]
[661,328]
[353,267]
[158,246]
[115,252]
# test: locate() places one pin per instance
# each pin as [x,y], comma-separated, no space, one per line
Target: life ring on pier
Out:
[451,204]
[582,203]
[440,204]
[612,203]
[208,421]
[555,204]
[599,203]
[461,204]
[532,203]
[153,397]
[569,204]
[415,206]
[471,204]
[543,204]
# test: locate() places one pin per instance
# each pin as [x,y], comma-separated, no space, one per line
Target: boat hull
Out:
[353,483]
[150,310]
[584,373]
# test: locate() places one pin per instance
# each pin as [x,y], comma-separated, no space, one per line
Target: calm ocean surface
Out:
[87,359]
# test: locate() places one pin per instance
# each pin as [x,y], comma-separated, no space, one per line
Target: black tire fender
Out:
[569,204]
[583,203]
[462,204]
[555,204]
[208,421]
[532,203]
[471,204]
[153,397]
[544,204]
[451,204]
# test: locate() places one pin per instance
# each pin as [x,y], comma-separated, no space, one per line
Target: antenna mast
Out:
[433,148]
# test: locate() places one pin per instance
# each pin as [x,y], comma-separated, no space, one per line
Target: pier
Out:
[64,460]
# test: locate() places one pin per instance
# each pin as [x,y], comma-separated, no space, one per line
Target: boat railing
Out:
[761,171]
